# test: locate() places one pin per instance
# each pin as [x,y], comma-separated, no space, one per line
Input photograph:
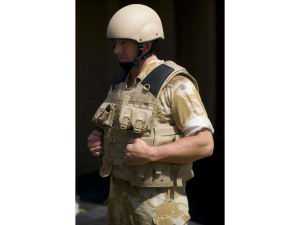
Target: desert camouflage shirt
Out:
[180,102]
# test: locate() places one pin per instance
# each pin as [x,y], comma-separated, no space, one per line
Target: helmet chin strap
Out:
[127,66]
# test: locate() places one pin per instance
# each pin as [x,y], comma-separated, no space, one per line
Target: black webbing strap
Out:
[157,77]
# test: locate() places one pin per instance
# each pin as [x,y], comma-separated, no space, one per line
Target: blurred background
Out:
[194,38]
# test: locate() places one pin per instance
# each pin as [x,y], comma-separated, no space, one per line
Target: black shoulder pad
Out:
[157,77]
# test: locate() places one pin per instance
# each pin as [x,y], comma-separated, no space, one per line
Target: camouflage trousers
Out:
[131,205]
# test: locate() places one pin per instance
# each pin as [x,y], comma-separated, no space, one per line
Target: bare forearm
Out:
[186,149]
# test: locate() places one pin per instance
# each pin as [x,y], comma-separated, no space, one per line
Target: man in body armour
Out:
[150,128]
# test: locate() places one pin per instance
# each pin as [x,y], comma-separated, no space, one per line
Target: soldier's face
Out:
[125,50]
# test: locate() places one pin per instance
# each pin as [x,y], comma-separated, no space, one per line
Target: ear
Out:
[147,46]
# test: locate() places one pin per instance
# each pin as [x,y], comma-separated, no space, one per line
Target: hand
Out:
[95,143]
[138,152]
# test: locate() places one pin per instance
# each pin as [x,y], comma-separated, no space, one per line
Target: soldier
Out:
[150,128]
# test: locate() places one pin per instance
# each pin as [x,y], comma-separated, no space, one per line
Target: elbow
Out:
[209,149]
[205,145]
[205,150]
[210,145]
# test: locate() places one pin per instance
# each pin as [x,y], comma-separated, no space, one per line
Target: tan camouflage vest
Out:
[133,112]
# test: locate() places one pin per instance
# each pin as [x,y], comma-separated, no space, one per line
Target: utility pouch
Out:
[104,117]
[125,118]
[141,120]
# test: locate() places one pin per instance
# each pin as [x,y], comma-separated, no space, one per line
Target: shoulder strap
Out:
[157,77]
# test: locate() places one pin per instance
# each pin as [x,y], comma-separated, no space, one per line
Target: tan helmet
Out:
[136,22]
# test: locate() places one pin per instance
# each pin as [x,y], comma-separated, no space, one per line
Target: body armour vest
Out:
[133,112]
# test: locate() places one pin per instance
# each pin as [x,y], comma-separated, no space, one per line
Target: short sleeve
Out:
[187,108]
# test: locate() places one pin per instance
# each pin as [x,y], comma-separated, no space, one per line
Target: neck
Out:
[134,72]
